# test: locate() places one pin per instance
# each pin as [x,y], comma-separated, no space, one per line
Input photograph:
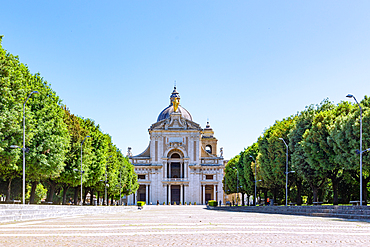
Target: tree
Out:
[318,145]
[99,144]
[130,184]
[45,130]
[12,79]
[248,178]
[231,178]
[69,177]
[50,139]
[272,158]
[346,139]
[314,177]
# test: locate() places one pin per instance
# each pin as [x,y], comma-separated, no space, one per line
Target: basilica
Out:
[180,164]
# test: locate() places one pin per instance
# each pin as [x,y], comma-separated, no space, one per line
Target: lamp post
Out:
[105,184]
[360,151]
[286,173]
[81,167]
[24,146]
[120,187]
[255,180]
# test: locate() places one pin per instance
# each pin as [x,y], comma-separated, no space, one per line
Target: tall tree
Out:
[12,79]
[314,177]
[50,138]
[70,176]
[318,145]
[346,138]
[272,157]
[248,178]
[230,180]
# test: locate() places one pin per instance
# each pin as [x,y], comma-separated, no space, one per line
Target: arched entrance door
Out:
[175,168]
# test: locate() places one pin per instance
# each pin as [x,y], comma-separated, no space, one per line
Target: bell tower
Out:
[209,142]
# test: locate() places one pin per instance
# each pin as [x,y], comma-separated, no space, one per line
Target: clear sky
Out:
[242,64]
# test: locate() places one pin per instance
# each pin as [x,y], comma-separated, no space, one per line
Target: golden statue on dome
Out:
[175,103]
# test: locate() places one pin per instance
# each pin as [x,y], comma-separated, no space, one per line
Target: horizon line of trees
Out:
[53,140]
[322,142]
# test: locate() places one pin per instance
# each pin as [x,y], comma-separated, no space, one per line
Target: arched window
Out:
[209,149]
[175,156]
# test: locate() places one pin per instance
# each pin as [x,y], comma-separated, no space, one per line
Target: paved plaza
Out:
[186,226]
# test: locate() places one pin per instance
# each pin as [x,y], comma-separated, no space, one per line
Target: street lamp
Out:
[105,184]
[286,173]
[120,187]
[81,166]
[255,180]
[360,151]
[24,146]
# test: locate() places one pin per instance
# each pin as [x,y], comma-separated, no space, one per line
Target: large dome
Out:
[170,109]
[167,112]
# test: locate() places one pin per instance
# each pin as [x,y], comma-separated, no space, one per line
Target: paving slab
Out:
[186,226]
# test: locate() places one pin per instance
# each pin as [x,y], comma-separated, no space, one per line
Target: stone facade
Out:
[181,162]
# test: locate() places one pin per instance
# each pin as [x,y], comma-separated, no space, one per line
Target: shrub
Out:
[185,203]
[212,203]
[189,203]
[164,203]
[140,203]
[195,203]
[174,203]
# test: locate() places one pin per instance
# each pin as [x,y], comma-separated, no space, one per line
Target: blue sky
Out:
[242,64]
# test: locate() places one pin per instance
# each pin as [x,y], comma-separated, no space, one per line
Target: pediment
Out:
[175,122]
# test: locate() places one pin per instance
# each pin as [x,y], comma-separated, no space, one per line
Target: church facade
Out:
[181,164]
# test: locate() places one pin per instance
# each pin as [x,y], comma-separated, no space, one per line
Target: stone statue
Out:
[129,154]
[221,152]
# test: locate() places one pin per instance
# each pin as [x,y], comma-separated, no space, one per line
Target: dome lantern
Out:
[174,95]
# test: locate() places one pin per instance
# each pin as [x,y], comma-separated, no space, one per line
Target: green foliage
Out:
[140,203]
[54,136]
[40,193]
[272,153]
[322,143]
[319,142]
[230,179]
[249,168]
[299,160]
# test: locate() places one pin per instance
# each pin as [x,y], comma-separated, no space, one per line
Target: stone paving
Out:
[186,226]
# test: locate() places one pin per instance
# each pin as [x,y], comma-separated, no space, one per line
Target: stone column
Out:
[169,168]
[181,165]
[204,195]
[169,193]
[135,198]
[184,194]
[165,170]
[186,170]
[181,193]
[146,195]
[214,193]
